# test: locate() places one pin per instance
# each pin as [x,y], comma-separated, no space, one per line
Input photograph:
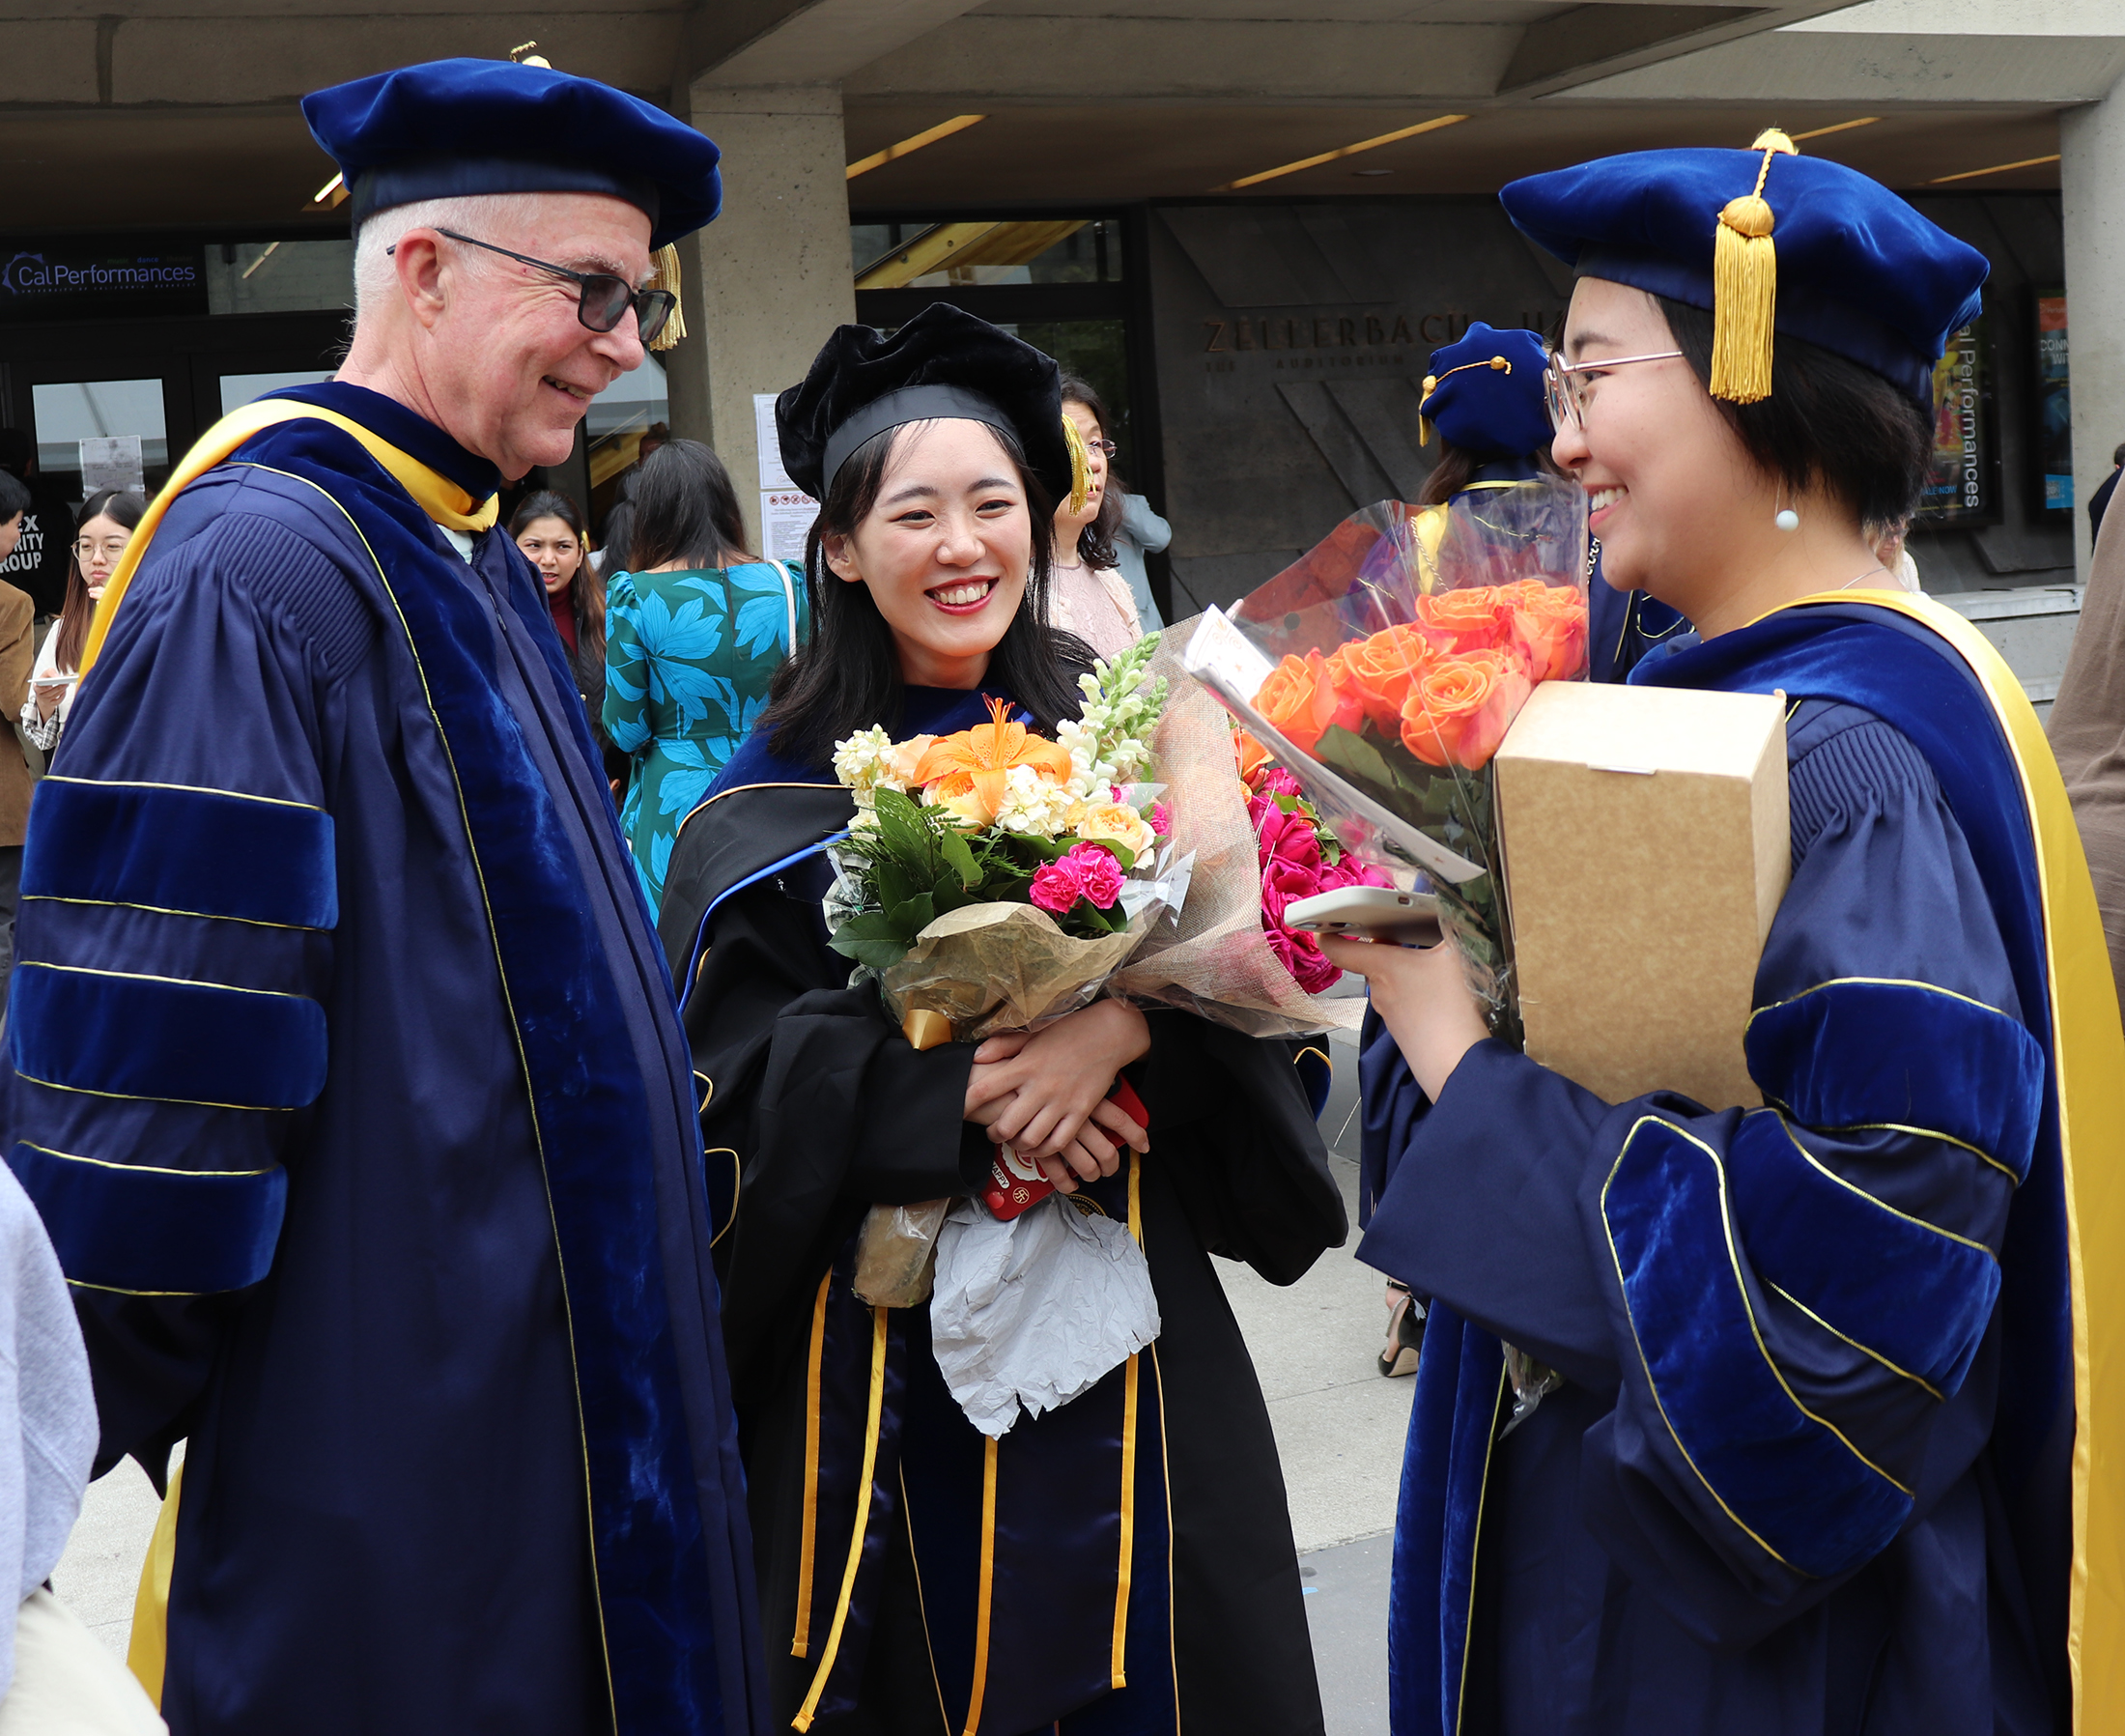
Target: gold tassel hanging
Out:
[1081,465]
[1424,422]
[665,276]
[1744,286]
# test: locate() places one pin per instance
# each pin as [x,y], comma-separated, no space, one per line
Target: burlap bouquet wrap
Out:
[1211,958]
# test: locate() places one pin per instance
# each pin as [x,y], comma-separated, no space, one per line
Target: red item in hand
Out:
[1016,1184]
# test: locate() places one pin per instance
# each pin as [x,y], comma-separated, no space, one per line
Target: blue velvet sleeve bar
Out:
[168,1034]
[1782,1303]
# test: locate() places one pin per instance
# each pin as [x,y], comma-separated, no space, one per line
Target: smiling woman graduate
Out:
[1828,1454]
[1124,1563]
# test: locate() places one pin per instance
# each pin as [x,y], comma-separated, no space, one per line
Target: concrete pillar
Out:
[2091,143]
[769,279]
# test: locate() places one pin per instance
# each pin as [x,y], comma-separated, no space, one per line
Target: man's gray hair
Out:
[490,217]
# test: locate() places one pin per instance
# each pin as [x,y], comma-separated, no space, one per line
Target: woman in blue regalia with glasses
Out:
[1826,1454]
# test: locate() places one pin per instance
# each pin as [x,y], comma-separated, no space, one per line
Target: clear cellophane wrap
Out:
[1212,956]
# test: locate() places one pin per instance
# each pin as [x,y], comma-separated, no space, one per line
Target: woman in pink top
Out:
[1088,595]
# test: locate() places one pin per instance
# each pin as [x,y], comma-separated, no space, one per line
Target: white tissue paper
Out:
[1035,1310]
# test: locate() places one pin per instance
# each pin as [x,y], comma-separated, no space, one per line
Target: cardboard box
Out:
[1647,847]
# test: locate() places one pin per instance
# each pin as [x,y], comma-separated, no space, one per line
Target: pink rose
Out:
[1056,886]
[1351,871]
[1098,874]
[1162,822]
[1309,966]
[1289,837]
[1285,882]
[1275,781]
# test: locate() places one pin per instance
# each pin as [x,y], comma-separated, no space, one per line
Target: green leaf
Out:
[912,916]
[960,858]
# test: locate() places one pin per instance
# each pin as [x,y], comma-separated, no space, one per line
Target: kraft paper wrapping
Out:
[1214,957]
[1004,967]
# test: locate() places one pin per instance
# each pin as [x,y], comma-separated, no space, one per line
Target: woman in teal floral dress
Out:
[694,632]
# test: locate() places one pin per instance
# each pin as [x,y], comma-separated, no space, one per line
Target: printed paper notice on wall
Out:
[113,460]
[786,511]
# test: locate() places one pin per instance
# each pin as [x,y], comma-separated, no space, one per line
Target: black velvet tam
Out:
[943,364]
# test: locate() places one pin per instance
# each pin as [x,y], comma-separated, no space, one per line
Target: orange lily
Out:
[977,758]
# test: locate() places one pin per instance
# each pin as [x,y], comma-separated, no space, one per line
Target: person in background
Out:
[56,1677]
[18,633]
[2087,730]
[696,628]
[548,530]
[1141,532]
[1087,595]
[36,563]
[2100,500]
[105,527]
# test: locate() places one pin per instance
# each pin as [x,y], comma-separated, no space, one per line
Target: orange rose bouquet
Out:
[1383,669]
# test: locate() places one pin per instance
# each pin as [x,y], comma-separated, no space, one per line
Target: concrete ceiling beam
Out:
[1009,60]
[1870,71]
[739,44]
[1596,41]
[220,61]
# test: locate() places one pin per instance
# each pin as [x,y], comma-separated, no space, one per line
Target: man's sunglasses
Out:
[602,301]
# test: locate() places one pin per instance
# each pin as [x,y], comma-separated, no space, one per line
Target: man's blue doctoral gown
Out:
[344,1069]
[1809,1470]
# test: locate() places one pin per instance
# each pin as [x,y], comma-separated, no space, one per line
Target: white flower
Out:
[859,761]
[1033,805]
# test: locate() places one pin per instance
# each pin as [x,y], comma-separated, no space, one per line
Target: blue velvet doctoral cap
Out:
[451,128]
[1485,392]
[1859,272]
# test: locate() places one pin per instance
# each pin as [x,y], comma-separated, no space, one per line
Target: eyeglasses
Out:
[111,548]
[1568,385]
[603,299]
[1106,446]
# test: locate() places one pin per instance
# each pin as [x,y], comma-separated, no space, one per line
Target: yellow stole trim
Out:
[800,1643]
[148,1650]
[440,498]
[2088,1063]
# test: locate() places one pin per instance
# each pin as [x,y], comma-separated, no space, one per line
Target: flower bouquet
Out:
[993,879]
[1383,669]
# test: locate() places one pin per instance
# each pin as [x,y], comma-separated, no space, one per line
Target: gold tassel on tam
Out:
[1424,422]
[665,276]
[1081,465]
[1744,286]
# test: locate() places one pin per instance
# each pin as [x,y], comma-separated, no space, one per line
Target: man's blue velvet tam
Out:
[1859,271]
[1482,408]
[451,128]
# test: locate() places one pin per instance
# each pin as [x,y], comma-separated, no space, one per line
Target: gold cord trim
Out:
[988,1584]
[810,1707]
[807,1537]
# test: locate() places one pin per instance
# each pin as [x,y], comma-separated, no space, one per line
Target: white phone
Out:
[1377,912]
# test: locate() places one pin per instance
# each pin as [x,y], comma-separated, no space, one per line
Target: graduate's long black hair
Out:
[848,675]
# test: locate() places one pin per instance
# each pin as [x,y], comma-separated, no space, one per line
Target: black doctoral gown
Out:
[1123,1564]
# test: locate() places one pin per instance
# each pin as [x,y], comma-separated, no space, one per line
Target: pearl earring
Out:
[1787,519]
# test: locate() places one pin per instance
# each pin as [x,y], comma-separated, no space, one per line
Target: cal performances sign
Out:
[73,281]
[1961,488]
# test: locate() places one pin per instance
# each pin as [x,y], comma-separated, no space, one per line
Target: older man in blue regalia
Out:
[342,1062]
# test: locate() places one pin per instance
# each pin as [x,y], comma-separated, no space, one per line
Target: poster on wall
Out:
[786,511]
[2054,415]
[1960,488]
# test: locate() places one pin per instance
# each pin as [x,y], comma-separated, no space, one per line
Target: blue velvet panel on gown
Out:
[367,1130]
[1809,1470]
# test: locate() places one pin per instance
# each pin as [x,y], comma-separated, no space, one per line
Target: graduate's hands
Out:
[1422,995]
[1044,1094]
